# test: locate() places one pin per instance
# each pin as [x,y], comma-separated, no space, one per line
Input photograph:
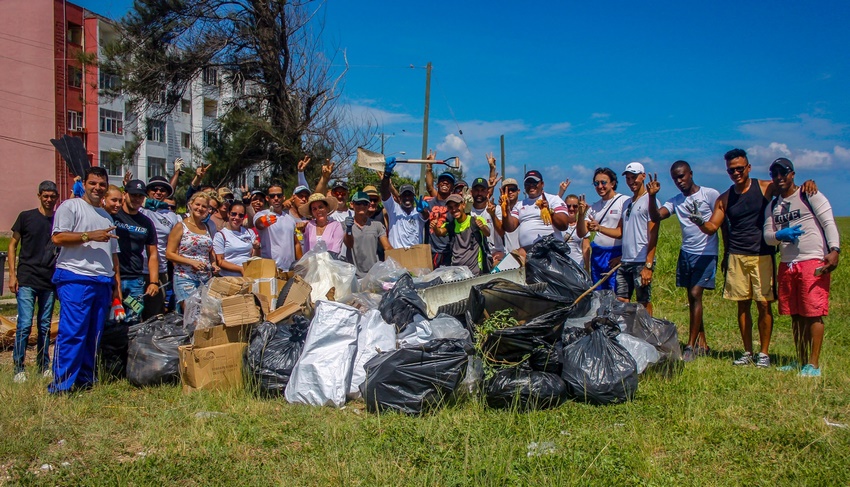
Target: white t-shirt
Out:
[609,212]
[163,222]
[574,242]
[406,229]
[531,227]
[496,242]
[511,241]
[278,241]
[635,230]
[91,258]
[693,240]
[235,247]
[340,216]
[818,223]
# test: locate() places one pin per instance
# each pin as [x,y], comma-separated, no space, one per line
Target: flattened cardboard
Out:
[216,368]
[239,310]
[416,257]
[220,335]
[8,326]
[297,300]
[270,288]
[259,268]
[229,286]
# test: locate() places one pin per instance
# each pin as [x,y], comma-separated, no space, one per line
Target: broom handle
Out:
[598,283]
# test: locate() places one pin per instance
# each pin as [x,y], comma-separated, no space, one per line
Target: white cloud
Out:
[452,145]
[578,171]
[550,129]
[612,128]
[799,133]
[812,159]
[802,158]
[362,112]
[599,115]
[481,130]
[841,153]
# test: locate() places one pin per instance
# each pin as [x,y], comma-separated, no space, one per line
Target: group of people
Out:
[115,256]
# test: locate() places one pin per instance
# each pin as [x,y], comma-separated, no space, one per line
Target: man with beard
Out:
[467,237]
[538,215]
[437,209]
[408,217]
[277,230]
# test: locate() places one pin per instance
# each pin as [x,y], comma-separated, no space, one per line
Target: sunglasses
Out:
[572,207]
[779,173]
[511,189]
[361,203]
[237,215]
[275,195]
[734,170]
[159,189]
[373,200]
[172,207]
[601,183]
[629,210]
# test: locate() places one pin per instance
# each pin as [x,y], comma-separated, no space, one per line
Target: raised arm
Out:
[429,175]
[717,216]
[653,187]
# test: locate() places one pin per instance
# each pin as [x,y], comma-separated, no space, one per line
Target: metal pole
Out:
[502,143]
[425,127]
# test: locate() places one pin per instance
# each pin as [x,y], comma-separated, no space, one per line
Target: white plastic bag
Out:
[202,310]
[422,331]
[323,272]
[643,353]
[382,276]
[323,372]
[447,274]
[375,336]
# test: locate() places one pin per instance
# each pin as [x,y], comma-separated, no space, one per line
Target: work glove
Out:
[349,224]
[268,220]
[117,312]
[694,215]
[791,234]
[178,164]
[421,205]
[389,166]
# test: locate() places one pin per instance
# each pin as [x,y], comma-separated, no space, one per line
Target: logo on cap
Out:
[533,175]
[480,182]
[634,168]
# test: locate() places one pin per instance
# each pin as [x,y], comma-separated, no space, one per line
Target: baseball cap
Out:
[360,197]
[370,191]
[135,186]
[446,175]
[160,181]
[258,192]
[480,182]
[782,163]
[301,189]
[224,192]
[533,175]
[455,198]
[47,186]
[461,183]
[340,184]
[634,168]
[406,188]
[510,182]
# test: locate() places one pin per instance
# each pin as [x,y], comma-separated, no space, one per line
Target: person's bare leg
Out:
[696,331]
[798,327]
[765,324]
[648,307]
[745,324]
[816,330]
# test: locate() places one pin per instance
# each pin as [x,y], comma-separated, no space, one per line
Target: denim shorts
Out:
[695,270]
[186,286]
[629,281]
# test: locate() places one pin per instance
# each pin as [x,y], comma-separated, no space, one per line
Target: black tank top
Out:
[745,215]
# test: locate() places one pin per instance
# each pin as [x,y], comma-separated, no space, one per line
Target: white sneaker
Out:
[47,374]
[20,378]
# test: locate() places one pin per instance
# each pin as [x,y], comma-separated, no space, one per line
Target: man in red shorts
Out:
[805,230]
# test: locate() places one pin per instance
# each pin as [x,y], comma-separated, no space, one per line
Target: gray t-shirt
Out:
[91,258]
[366,240]
[163,221]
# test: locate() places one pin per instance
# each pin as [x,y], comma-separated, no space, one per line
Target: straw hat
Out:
[304,210]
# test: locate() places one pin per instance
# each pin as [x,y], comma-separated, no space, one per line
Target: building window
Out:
[75,121]
[185,105]
[210,137]
[210,108]
[111,122]
[112,162]
[156,166]
[156,130]
[109,81]
[75,77]
[75,34]
[210,76]
[185,140]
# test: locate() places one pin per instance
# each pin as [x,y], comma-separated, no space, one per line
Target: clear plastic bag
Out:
[201,310]
[323,273]
[422,331]
[444,274]
[382,276]
[643,353]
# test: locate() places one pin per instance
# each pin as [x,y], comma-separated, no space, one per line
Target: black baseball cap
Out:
[405,188]
[258,192]
[533,175]
[340,184]
[783,163]
[136,186]
[480,182]
[461,183]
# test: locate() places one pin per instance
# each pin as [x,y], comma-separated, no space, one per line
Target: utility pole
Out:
[502,143]
[425,128]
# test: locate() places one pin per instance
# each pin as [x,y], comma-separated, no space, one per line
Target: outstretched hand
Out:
[302,164]
[652,184]
[694,214]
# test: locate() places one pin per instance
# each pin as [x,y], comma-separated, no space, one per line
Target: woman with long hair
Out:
[190,249]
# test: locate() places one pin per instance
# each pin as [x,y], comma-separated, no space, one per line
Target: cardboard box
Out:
[258,268]
[269,288]
[9,325]
[215,368]
[297,299]
[229,286]
[239,310]
[416,257]
[220,335]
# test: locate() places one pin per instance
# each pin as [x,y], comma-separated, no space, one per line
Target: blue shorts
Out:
[600,263]
[695,270]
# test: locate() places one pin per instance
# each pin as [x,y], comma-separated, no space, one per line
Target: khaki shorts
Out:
[749,277]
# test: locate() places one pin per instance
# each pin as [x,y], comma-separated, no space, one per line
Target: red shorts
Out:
[800,291]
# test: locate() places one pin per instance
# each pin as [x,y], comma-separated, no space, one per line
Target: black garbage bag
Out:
[527,390]
[415,380]
[500,294]
[152,356]
[273,351]
[512,345]
[401,304]
[549,261]
[597,369]
[112,350]
[659,333]
[547,357]
[573,333]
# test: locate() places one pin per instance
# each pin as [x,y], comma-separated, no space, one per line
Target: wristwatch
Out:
[84,237]
[649,265]
[835,249]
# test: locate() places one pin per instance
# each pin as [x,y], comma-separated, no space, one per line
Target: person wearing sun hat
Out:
[164,219]
[321,227]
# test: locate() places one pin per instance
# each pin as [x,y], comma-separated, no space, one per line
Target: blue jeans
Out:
[27,300]
[186,286]
[134,288]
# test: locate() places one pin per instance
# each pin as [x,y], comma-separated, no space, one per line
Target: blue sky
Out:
[577,85]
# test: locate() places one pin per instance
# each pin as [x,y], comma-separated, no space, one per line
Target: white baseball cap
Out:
[634,168]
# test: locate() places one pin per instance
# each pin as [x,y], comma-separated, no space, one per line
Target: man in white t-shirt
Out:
[407,217]
[339,190]
[605,250]
[697,264]
[87,280]
[492,214]
[538,215]
[277,230]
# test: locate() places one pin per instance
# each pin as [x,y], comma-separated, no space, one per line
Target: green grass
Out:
[711,425]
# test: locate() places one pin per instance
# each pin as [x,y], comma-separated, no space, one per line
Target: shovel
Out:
[376,161]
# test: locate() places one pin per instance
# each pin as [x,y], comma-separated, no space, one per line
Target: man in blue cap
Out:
[438,211]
